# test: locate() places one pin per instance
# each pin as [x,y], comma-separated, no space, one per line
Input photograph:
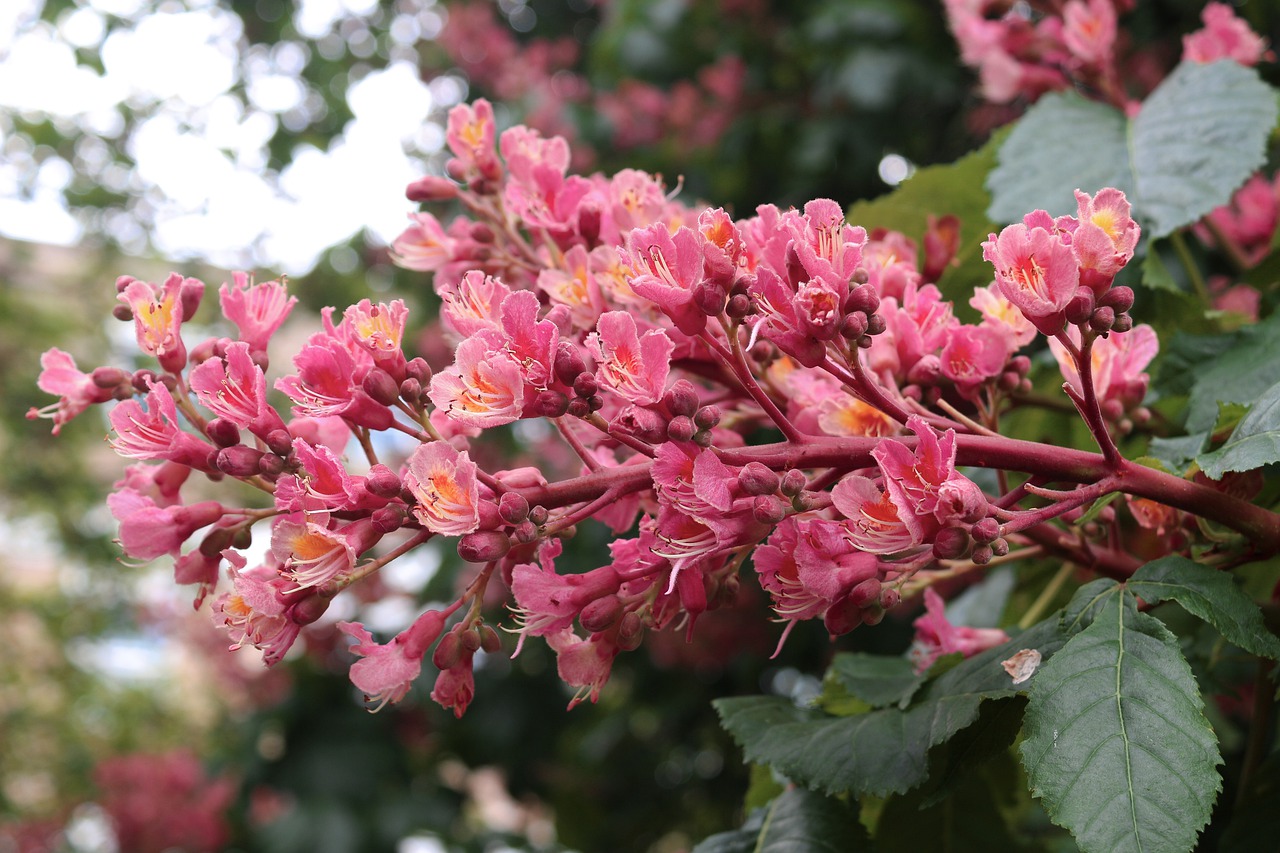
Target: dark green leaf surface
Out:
[1254,443]
[876,679]
[1211,595]
[1240,374]
[1116,744]
[798,821]
[1199,135]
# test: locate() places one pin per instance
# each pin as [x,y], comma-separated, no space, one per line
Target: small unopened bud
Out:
[539,515]
[270,465]
[982,555]
[470,640]
[418,369]
[431,188]
[890,598]
[481,232]
[756,478]
[569,363]
[585,385]
[108,377]
[793,482]
[875,324]
[309,609]
[703,438]
[985,531]
[595,403]
[873,614]
[1102,319]
[950,543]
[550,404]
[1009,381]
[190,294]
[630,631]
[526,532]
[216,541]
[1021,364]
[490,641]
[238,461]
[853,326]
[1123,323]
[123,313]
[380,385]
[388,519]
[805,501]
[578,408]
[601,614]
[860,276]
[681,428]
[243,537]
[1120,299]
[767,509]
[707,417]
[411,391]
[484,546]
[279,442]
[143,380]
[681,398]
[740,305]
[709,298]
[1000,547]
[448,651]
[862,298]
[513,507]
[866,592]
[1080,307]
[382,481]
[222,432]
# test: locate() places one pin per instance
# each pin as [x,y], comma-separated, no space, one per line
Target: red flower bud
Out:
[601,614]
[681,398]
[550,404]
[222,432]
[513,508]
[756,478]
[380,385]
[681,428]
[483,546]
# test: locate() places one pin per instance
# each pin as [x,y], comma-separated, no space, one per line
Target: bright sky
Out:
[201,156]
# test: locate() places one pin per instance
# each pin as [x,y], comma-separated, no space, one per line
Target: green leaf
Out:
[1117,745]
[955,188]
[1254,443]
[1240,374]
[1211,595]
[798,821]
[883,751]
[1155,272]
[1088,600]
[876,679]
[1198,136]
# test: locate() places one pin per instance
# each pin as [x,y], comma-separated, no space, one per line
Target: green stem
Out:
[1189,264]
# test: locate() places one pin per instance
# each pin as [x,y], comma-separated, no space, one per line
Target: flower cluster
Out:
[786,387]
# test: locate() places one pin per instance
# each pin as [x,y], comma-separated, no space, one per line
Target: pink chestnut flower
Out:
[1224,36]
[257,310]
[633,366]
[387,671]
[1036,270]
[76,390]
[936,636]
[443,481]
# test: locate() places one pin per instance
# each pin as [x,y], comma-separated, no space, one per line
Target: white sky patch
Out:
[203,150]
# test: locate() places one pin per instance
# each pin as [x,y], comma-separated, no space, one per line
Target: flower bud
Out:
[595,403]
[270,465]
[740,305]
[238,461]
[490,641]
[875,324]
[709,297]
[767,509]
[982,555]
[550,404]
[379,385]
[1009,381]
[1102,319]
[681,398]
[707,417]
[309,609]
[862,298]
[926,371]
[703,438]
[222,432]
[448,653]
[578,408]
[643,423]
[985,531]
[526,532]
[1000,547]
[411,391]
[569,363]
[470,640]
[1021,364]
[279,442]
[585,385]
[108,377]
[123,313]
[481,232]
[866,592]
[417,368]
[589,217]
[873,614]
[601,614]
[382,481]
[489,516]
[539,515]
[389,518]
[757,478]
[243,537]
[950,543]
[1120,299]
[859,276]
[431,188]
[853,326]
[630,631]
[143,380]
[484,546]
[1080,307]
[190,294]
[216,541]
[681,428]
[1122,324]
[513,507]
[890,598]
[793,482]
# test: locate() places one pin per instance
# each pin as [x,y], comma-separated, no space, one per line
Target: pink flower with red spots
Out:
[443,482]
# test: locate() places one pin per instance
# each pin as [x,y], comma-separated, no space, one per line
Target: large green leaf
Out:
[1117,745]
[798,821]
[1199,135]
[1211,595]
[883,751]
[875,679]
[1254,443]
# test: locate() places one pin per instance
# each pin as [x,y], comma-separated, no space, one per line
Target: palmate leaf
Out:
[1116,742]
[1199,135]
[798,821]
[882,751]
[1209,594]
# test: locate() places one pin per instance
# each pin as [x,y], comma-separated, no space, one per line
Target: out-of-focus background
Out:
[277,136]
